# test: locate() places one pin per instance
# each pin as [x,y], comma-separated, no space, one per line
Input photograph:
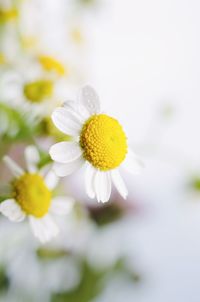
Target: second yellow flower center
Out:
[38,91]
[103,142]
[32,194]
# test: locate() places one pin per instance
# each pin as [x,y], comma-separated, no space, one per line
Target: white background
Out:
[145,55]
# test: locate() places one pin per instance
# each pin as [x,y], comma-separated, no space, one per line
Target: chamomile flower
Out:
[99,142]
[31,197]
[29,87]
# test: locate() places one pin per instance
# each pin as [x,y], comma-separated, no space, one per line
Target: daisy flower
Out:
[34,84]
[31,197]
[31,89]
[99,141]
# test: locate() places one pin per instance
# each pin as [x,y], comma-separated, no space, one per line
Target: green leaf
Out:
[4,281]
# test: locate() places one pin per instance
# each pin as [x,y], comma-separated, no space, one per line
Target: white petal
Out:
[43,228]
[32,158]
[89,180]
[65,152]
[133,163]
[51,180]
[72,105]
[12,210]
[14,168]
[89,99]
[102,184]
[78,111]
[119,183]
[61,205]
[66,169]
[66,121]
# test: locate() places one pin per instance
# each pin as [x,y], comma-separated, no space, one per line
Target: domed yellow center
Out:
[103,142]
[51,64]
[38,91]
[32,194]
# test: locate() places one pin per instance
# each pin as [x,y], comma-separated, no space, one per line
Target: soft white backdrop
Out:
[145,54]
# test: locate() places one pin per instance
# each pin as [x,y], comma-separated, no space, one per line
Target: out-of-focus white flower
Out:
[59,269]
[35,85]
[99,141]
[32,197]
[60,274]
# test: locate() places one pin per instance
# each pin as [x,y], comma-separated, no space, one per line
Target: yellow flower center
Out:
[103,142]
[32,194]
[38,91]
[2,59]
[50,64]
[7,15]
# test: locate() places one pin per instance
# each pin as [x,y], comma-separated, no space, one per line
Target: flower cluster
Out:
[97,141]
[35,81]
[52,223]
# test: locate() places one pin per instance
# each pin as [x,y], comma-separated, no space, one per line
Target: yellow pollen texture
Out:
[103,142]
[32,194]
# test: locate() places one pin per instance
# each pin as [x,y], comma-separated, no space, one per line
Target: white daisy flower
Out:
[98,140]
[32,197]
[33,85]
[30,89]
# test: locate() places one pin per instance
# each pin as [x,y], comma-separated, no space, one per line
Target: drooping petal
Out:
[65,152]
[12,210]
[14,168]
[119,183]
[51,180]
[39,230]
[66,169]
[90,173]
[133,163]
[61,205]
[90,100]
[32,158]
[102,185]
[66,121]
[43,228]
